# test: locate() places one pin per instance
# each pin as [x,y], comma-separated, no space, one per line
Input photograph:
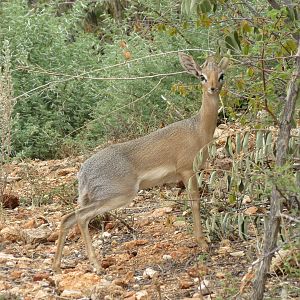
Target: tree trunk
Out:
[272,228]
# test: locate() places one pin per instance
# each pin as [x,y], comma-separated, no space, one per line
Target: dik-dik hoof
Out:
[56,269]
[97,269]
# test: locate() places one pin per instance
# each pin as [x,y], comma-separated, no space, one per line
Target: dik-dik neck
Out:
[208,113]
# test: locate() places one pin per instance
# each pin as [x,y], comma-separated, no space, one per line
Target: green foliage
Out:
[58,54]
[63,51]
[252,175]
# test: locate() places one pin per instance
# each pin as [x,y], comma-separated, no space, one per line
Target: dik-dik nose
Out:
[212,90]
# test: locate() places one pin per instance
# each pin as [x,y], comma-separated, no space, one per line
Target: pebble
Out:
[141,295]
[167,257]
[149,273]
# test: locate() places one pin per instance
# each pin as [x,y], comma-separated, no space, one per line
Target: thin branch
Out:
[274,4]
[110,113]
[82,75]
[290,218]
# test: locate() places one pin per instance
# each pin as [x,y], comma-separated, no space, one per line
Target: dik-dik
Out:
[112,177]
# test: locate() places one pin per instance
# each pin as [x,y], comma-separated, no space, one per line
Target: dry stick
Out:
[282,143]
[82,75]
[112,112]
[131,229]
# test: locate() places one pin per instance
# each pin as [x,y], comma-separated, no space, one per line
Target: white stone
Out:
[142,295]
[167,257]
[149,273]
[106,235]
[71,294]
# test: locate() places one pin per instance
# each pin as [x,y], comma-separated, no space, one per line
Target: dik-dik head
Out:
[211,74]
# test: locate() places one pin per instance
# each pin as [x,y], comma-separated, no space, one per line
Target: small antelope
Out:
[112,177]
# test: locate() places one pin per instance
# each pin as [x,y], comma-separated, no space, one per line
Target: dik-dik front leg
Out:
[191,185]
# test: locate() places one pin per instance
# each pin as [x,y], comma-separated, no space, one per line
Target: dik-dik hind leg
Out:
[191,184]
[67,222]
[85,214]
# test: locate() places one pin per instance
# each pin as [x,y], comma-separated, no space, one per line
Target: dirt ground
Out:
[147,249]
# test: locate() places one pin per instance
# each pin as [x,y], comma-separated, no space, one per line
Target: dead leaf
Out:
[252,210]
[246,280]
[237,254]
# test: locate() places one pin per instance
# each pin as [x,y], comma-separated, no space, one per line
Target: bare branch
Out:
[274,4]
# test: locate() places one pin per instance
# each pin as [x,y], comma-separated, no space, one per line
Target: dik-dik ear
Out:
[189,64]
[223,64]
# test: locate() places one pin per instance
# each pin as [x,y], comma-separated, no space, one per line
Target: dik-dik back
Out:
[112,177]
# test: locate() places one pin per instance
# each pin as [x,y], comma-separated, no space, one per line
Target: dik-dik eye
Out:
[221,77]
[203,78]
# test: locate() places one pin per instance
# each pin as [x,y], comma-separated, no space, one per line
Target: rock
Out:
[144,222]
[198,270]
[101,291]
[40,276]
[130,245]
[9,201]
[120,282]
[35,236]
[167,257]
[11,234]
[107,262]
[16,274]
[281,257]
[220,275]
[77,281]
[53,236]
[237,254]
[30,224]
[41,294]
[161,211]
[106,235]
[109,226]
[224,250]
[71,294]
[133,297]
[246,199]
[129,295]
[185,284]
[67,171]
[142,295]
[150,273]
[179,223]
[204,287]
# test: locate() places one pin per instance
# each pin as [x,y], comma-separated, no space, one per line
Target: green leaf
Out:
[232,198]
[212,177]
[212,150]
[228,182]
[198,161]
[228,147]
[241,219]
[200,178]
[246,142]
[259,139]
[246,48]
[238,143]
[205,6]
[241,186]
[237,39]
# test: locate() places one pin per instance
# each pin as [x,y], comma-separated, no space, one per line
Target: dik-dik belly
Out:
[158,176]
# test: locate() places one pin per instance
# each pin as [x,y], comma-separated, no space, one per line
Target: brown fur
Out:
[112,177]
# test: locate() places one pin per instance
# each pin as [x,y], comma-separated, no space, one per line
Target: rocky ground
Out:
[147,250]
